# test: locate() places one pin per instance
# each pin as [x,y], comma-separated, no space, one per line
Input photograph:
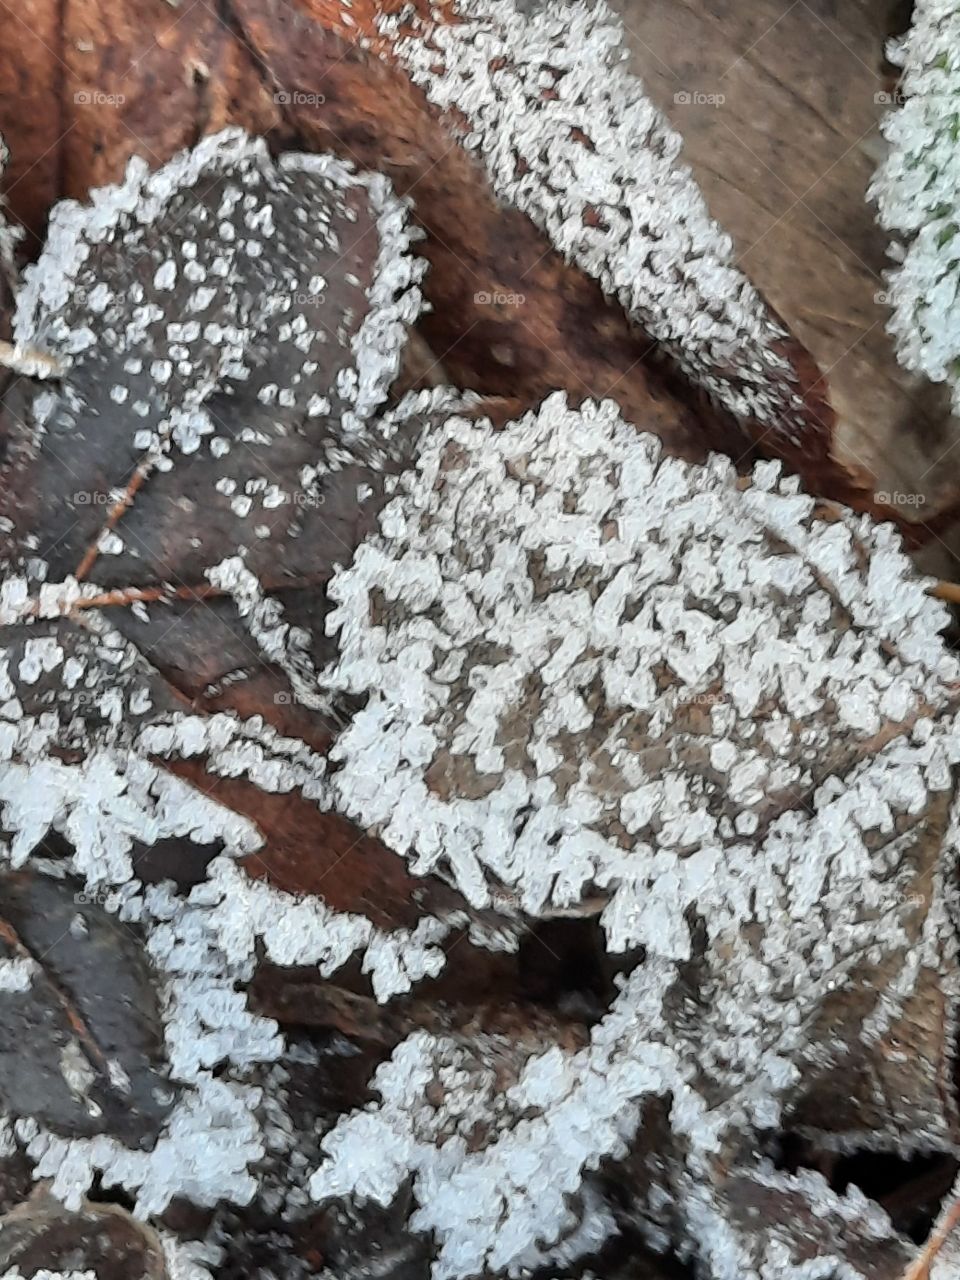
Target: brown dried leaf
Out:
[298,72]
[81,1039]
[41,1235]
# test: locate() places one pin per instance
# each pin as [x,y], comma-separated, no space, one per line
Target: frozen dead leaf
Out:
[916,193]
[797,1221]
[228,327]
[570,690]
[83,1039]
[102,1240]
[528,631]
[549,89]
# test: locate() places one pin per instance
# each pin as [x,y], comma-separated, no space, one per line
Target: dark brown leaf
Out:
[81,1041]
[102,1238]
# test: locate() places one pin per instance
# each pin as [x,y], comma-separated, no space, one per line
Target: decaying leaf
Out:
[378,681]
[41,1237]
[578,691]
[80,1021]
[509,315]
[244,317]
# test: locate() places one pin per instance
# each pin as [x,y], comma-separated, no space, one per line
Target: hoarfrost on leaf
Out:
[917,190]
[580,665]
[601,176]
[564,672]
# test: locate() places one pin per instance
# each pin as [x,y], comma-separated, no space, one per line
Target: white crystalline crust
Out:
[203,945]
[307,932]
[542,599]
[917,190]
[659,252]
[187,1260]
[815,891]
[288,647]
[394,297]
[584,670]
[194,330]
[43,1274]
[17,975]
[10,236]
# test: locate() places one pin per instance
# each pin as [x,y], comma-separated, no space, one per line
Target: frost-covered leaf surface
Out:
[568,136]
[589,665]
[41,1238]
[226,310]
[572,688]
[918,193]
[564,675]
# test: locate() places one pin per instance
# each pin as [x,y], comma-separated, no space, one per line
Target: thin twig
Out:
[949,591]
[919,1269]
[146,595]
[123,503]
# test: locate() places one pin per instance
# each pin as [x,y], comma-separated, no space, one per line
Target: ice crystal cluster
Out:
[918,193]
[568,135]
[588,666]
[17,1274]
[567,675]
[193,327]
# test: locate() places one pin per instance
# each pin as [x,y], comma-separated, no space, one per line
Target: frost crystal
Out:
[202,367]
[575,676]
[918,193]
[17,975]
[43,1274]
[587,665]
[568,136]
[724,1046]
